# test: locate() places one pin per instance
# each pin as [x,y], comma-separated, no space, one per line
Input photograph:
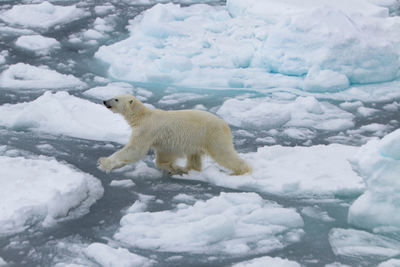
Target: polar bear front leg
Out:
[128,154]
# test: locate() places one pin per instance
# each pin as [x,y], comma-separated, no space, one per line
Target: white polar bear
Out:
[173,134]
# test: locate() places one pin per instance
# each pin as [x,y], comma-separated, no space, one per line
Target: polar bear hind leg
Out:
[194,162]
[220,148]
[166,161]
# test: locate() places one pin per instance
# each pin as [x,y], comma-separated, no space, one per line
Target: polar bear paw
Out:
[104,164]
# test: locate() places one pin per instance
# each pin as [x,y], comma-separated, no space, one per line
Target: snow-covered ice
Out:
[42,191]
[296,171]
[266,43]
[356,243]
[39,44]
[122,183]
[267,261]
[231,223]
[292,78]
[63,114]
[378,163]
[41,16]
[268,113]
[108,256]
[25,76]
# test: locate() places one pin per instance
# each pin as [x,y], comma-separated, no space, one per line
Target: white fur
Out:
[173,134]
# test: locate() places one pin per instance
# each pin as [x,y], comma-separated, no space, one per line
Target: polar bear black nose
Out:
[106,103]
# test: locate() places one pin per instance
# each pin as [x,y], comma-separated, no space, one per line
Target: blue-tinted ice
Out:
[311,91]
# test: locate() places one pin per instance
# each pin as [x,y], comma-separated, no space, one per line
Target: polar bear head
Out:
[121,104]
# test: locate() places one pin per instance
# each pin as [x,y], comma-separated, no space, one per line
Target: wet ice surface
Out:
[306,88]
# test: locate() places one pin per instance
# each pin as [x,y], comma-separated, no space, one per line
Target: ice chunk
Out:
[232,223]
[44,192]
[291,171]
[122,183]
[3,262]
[378,162]
[39,44]
[3,56]
[297,45]
[267,113]
[25,76]
[390,263]
[259,45]
[109,91]
[108,256]
[317,213]
[273,10]
[356,243]
[178,98]
[41,16]
[64,114]
[325,81]
[267,261]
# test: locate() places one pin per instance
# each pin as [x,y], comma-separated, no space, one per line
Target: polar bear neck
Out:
[136,113]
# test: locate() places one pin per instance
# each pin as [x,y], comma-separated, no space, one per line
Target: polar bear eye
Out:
[116,100]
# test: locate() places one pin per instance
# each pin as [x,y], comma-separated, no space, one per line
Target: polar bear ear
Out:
[131,102]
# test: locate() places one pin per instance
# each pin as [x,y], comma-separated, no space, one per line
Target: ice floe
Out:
[122,183]
[356,243]
[267,261]
[321,170]
[259,45]
[231,223]
[378,162]
[41,16]
[268,113]
[25,76]
[63,114]
[44,191]
[39,44]
[117,88]
[108,256]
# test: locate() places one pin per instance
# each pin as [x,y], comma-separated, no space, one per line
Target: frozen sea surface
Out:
[311,90]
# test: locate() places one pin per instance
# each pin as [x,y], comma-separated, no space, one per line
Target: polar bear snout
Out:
[107,103]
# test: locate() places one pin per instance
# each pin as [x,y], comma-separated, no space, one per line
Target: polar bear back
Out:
[185,131]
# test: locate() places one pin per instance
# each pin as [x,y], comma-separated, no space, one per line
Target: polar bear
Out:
[172,135]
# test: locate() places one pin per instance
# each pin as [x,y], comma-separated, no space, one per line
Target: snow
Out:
[259,45]
[108,256]
[231,223]
[390,263]
[378,163]
[44,192]
[317,213]
[63,114]
[25,76]
[117,88]
[356,243]
[122,183]
[321,170]
[269,113]
[267,261]
[39,44]
[42,16]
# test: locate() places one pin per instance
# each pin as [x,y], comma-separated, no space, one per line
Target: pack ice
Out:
[63,114]
[231,224]
[378,162]
[321,170]
[42,191]
[317,46]
[41,16]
